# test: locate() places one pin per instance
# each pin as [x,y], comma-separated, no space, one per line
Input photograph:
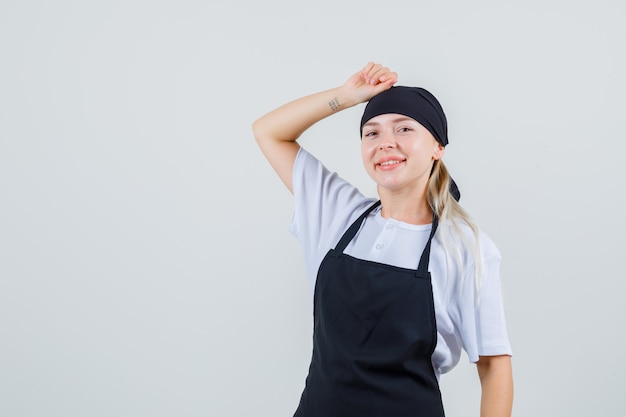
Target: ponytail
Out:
[450,213]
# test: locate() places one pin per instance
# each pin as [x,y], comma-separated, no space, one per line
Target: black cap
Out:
[414,102]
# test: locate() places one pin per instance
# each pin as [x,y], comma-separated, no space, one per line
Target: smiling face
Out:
[398,153]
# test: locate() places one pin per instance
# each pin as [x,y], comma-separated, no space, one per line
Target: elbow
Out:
[259,131]
[256,129]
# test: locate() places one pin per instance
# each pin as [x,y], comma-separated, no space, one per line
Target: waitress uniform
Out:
[373,338]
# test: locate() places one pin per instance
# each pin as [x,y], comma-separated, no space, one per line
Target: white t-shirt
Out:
[326,205]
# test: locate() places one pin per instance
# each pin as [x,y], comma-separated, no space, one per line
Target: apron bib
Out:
[373,337]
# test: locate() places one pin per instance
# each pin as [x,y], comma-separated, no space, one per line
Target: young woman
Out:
[401,283]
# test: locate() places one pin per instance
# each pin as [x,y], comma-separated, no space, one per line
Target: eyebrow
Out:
[396,120]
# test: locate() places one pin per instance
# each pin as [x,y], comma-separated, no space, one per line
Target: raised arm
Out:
[277,132]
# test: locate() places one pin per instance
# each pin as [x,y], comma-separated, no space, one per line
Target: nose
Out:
[386,143]
[387,139]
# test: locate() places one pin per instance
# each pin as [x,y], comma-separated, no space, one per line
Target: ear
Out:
[439,151]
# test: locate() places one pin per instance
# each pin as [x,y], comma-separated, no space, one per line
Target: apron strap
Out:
[353,229]
[422,269]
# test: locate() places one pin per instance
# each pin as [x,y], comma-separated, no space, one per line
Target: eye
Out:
[405,129]
[370,134]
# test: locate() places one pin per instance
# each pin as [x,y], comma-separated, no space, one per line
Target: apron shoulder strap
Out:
[422,269]
[354,228]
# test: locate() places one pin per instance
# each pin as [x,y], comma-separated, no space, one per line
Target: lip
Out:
[380,162]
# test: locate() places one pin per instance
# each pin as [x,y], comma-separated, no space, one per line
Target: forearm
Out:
[496,378]
[288,122]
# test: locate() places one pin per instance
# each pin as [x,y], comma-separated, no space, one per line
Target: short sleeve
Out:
[325,204]
[478,313]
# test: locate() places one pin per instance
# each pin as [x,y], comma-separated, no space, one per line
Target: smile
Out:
[390,164]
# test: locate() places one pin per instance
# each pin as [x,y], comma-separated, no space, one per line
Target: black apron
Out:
[373,337]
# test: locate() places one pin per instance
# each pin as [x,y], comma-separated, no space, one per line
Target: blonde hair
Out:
[450,213]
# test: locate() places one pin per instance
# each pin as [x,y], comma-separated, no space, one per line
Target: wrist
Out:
[340,99]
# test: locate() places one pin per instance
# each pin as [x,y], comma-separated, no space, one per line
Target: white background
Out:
[146,268]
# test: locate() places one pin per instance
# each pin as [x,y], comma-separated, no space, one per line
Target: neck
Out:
[409,207]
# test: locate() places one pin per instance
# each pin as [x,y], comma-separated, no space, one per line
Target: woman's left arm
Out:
[496,379]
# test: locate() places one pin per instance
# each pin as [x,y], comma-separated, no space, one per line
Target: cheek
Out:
[366,157]
[367,152]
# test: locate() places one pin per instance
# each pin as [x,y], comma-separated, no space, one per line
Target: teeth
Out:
[390,162]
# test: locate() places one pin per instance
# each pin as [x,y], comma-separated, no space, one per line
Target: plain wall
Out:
[146,268]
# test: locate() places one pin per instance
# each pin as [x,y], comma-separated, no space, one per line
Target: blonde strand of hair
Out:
[450,212]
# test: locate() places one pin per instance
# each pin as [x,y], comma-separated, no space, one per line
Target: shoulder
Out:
[315,184]
[323,200]
[467,239]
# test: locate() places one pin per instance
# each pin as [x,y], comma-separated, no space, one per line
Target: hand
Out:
[371,80]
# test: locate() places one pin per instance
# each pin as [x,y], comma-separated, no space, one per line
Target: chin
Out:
[389,185]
